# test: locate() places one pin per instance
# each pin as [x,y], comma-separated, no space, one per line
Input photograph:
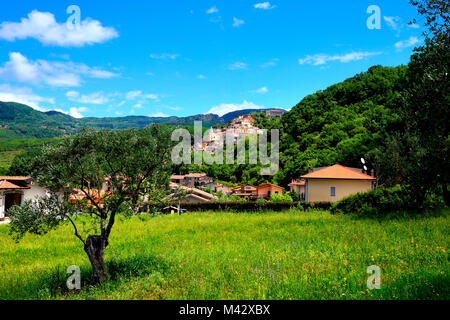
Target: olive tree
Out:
[131,163]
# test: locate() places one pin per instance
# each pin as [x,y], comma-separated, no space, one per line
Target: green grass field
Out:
[289,255]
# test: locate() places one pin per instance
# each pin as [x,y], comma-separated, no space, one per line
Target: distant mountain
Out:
[21,121]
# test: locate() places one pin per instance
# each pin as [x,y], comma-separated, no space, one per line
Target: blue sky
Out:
[160,58]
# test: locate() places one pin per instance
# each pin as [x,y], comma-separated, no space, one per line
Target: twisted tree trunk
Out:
[95,248]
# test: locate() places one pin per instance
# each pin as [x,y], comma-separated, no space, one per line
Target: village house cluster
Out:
[238,127]
[326,184]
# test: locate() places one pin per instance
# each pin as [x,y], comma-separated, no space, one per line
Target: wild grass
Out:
[288,255]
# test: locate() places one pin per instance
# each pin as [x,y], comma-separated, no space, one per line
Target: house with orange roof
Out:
[331,184]
[244,191]
[298,187]
[15,190]
[264,191]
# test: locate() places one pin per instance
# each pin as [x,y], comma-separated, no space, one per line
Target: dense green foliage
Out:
[341,124]
[217,255]
[261,205]
[382,201]
[418,154]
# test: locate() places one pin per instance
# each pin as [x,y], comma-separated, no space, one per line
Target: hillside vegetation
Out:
[289,255]
[341,124]
[21,121]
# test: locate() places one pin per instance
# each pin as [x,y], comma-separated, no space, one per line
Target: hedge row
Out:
[256,206]
[381,201]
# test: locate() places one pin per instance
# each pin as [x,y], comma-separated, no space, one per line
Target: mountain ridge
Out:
[22,121]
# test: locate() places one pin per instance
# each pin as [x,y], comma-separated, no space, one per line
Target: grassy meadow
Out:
[288,255]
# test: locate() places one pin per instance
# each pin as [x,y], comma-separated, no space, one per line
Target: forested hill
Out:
[341,124]
[20,121]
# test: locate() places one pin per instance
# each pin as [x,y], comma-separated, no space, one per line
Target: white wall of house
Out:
[34,192]
[2,205]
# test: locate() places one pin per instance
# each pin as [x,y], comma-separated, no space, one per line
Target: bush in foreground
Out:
[382,201]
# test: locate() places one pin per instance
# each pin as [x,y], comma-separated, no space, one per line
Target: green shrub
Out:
[253,206]
[281,198]
[381,201]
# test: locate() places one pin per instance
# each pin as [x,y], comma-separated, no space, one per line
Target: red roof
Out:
[338,172]
[14,178]
[4,185]
[297,183]
[268,184]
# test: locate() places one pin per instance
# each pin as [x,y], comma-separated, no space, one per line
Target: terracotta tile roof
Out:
[268,184]
[14,178]
[297,183]
[338,172]
[176,177]
[195,175]
[4,185]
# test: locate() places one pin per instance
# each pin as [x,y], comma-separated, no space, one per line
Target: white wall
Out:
[2,205]
[33,192]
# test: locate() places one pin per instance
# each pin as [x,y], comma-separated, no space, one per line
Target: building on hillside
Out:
[16,190]
[266,190]
[275,113]
[194,180]
[223,188]
[298,187]
[331,184]
[189,195]
[245,191]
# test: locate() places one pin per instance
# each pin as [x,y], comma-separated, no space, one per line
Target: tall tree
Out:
[420,151]
[132,163]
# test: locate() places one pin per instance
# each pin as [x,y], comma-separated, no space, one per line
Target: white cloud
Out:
[271,63]
[212,10]
[138,94]
[93,98]
[137,106]
[413,26]
[264,6]
[237,22]
[320,59]
[159,115]
[412,41]
[24,96]
[225,108]
[392,22]
[238,66]
[262,90]
[51,73]
[164,56]
[201,76]
[43,27]
[76,112]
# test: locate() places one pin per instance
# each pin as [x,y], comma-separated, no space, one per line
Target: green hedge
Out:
[381,201]
[238,206]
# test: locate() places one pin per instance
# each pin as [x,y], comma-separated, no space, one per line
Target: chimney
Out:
[311,170]
[372,173]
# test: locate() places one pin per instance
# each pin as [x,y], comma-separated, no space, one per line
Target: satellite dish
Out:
[363,161]
[365,168]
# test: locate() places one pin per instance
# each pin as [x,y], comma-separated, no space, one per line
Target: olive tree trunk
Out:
[95,248]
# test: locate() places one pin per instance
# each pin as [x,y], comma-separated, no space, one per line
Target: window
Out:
[333,191]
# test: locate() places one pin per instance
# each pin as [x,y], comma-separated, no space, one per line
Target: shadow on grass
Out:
[419,287]
[52,284]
